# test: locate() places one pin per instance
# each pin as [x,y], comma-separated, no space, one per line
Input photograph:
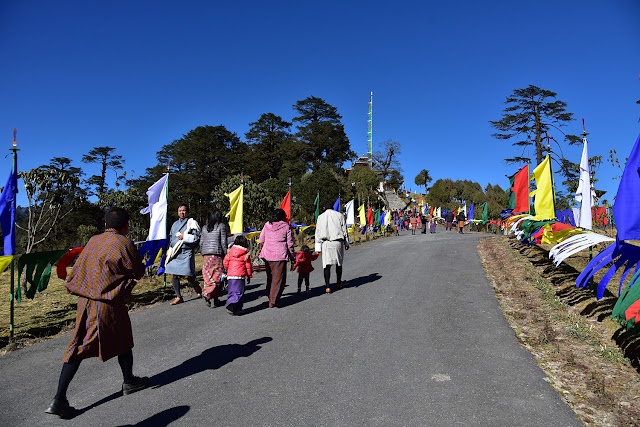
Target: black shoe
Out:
[136,384]
[207,301]
[218,303]
[60,408]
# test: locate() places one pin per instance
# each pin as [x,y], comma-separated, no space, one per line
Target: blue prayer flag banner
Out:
[627,206]
[336,205]
[8,211]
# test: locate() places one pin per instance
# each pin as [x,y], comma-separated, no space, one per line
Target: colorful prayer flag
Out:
[316,203]
[362,215]
[8,211]
[286,205]
[235,213]
[627,204]
[350,213]
[157,197]
[544,202]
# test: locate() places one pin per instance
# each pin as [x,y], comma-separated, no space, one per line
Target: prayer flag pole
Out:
[584,138]
[164,275]
[290,197]
[12,297]
[369,135]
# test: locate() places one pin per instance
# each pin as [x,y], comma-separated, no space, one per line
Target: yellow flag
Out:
[544,202]
[235,214]
[363,218]
[554,237]
[5,261]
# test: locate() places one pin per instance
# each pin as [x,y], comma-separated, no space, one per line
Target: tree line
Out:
[305,155]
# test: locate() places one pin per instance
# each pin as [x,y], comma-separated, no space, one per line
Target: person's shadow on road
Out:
[292,297]
[163,418]
[212,358]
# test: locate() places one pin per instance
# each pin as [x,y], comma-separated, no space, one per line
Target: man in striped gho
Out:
[102,278]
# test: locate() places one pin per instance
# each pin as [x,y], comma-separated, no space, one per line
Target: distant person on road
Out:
[332,239]
[181,261]
[276,243]
[303,264]
[213,247]
[102,278]
[461,219]
[413,223]
[239,272]
[449,217]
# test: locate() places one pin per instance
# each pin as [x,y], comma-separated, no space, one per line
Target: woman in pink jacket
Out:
[277,248]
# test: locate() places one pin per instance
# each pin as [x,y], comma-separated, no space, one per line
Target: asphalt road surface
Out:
[417,338]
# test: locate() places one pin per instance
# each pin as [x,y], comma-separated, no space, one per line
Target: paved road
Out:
[417,339]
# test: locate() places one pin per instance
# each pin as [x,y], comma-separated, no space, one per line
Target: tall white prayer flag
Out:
[584,194]
[157,195]
[350,213]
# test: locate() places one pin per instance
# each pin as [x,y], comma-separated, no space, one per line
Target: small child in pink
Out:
[304,267]
[237,262]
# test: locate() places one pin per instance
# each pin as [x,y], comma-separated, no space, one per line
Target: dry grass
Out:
[592,362]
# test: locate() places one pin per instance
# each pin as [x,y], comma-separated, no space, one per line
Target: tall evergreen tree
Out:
[423,178]
[321,133]
[200,161]
[268,136]
[531,113]
[107,160]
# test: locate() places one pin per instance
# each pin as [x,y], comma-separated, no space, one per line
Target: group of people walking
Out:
[108,267]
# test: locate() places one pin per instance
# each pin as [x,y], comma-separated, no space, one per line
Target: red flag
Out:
[521,189]
[370,216]
[65,260]
[286,205]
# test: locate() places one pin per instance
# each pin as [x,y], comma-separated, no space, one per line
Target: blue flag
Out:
[8,211]
[626,209]
[471,212]
[336,205]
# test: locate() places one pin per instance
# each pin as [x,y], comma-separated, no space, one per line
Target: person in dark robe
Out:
[102,278]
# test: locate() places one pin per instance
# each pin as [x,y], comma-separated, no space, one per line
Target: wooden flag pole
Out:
[12,297]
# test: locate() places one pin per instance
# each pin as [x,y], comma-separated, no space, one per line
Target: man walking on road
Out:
[461,219]
[332,239]
[102,278]
[449,217]
[185,234]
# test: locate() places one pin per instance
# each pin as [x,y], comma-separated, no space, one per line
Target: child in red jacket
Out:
[237,262]
[303,264]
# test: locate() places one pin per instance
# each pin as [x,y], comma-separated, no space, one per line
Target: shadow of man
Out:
[163,418]
[363,280]
[212,358]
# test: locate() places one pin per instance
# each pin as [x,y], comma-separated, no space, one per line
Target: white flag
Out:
[350,213]
[584,195]
[157,195]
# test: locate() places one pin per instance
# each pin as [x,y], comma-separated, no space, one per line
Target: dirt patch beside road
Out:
[591,361]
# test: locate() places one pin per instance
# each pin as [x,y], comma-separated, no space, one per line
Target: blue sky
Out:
[136,75]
